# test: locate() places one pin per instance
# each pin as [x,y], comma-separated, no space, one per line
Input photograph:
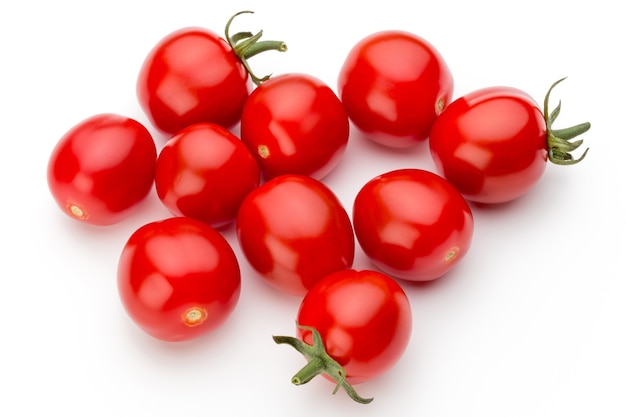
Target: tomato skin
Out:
[393,85]
[192,75]
[491,144]
[364,318]
[205,172]
[294,231]
[178,278]
[295,124]
[412,224]
[101,168]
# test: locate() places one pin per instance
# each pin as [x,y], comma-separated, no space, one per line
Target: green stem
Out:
[246,45]
[319,362]
[571,132]
[559,141]
[313,368]
[263,46]
[241,47]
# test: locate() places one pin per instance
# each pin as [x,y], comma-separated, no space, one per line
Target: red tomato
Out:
[412,224]
[101,168]
[178,278]
[393,85]
[190,76]
[193,75]
[205,172]
[295,124]
[294,231]
[493,143]
[364,323]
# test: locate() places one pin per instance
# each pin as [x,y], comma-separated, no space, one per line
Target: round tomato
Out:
[178,278]
[493,144]
[101,168]
[393,85]
[205,172]
[193,75]
[295,124]
[294,231]
[352,326]
[412,224]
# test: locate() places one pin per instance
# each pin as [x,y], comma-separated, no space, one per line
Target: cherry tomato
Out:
[294,231]
[393,85]
[205,172]
[178,278]
[193,75]
[412,224]
[295,124]
[493,143]
[101,168]
[353,326]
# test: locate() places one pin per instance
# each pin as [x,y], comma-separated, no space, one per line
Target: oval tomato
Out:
[295,124]
[412,224]
[493,144]
[294,231]
[178,278]
[101,168]
[393,85]
[205,172]
[193,75]
[352,326]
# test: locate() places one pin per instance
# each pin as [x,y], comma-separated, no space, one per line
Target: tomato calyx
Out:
[560,144]
[246,45]
[319,362]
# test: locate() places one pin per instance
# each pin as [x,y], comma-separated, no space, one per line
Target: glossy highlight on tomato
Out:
[412,224]
[295,124]
[294,231]
[205,172]
[393,85]
[353,326]
[178,278]
[102,168]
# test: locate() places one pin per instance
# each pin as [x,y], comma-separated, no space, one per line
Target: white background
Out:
[531,323]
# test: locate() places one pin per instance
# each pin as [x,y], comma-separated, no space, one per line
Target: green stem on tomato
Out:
[263,46]
[559,141]
[246,45]
[319,362]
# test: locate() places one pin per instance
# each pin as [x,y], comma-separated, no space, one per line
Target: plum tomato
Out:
[193,75]
[393,85]
[101,168]
[295,124]
[412,224]
[294,231]
[204,172]
[353,326]
[178,278]
[493,143]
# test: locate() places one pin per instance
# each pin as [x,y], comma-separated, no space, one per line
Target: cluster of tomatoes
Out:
[179,278]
